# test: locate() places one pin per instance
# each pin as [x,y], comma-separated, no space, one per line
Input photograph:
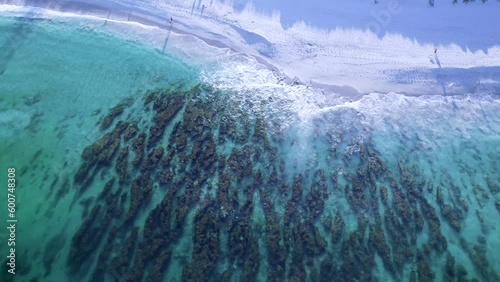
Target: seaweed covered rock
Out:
[92,152]
[418,221]
[220,180]
[356,195]
[398,237]
[338,227]
[240,162]
[223,195]
[151,162]
[238,240]
[197,116]
[315,199]
[121,164]
[120,263]
[453,216]
[130,132]
[114,112]
[140,193]
[228,129]
[206,243]
[100,153]
[477,255]
[328,269]
[378,243]
[138,147]
[400,204]
[158,220]
[158,234]
[436,238]
[186,201]
[160,265]
[260,134]
[85,241]
[424,271]
[276,252]
[106,155]
[204,155]
[375,164]
[356,257]
[383,195]
[297,268]
[251,265]
[166,107]
[449,273]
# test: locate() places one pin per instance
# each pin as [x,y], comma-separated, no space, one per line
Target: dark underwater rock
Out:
[436,238]
[251,265]
[151,162]
[423,268]
[140,193]
[402,253]
[85,241]
[166,108]
[99,154]
[121,164]
[328,269]
[115,112]
[138,147]
[477,255]
[130,132]
[356,195]
[453,216]
[338,227]
[240,162]
[377,242]
[219,164]
[206,243]
[449,273]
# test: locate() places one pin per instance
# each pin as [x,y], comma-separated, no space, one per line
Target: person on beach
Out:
[171,20]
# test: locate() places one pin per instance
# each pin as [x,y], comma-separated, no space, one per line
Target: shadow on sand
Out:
[166,39]
[456,80]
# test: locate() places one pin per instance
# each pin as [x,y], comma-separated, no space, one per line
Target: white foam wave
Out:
[250,80]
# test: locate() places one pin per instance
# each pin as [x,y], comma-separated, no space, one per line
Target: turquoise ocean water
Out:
[132,165]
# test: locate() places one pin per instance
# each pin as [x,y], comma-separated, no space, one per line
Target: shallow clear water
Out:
[240,179]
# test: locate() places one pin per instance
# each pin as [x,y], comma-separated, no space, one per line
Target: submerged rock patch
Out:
[206,176]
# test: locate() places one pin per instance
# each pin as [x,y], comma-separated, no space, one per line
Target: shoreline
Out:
[141,17]
[113,11]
